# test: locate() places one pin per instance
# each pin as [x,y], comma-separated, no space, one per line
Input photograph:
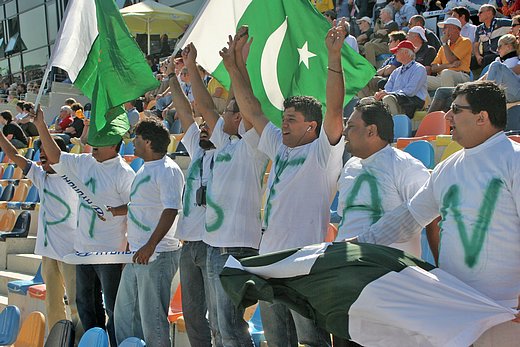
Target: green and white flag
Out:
[372,294]
[288,55]
[103,60]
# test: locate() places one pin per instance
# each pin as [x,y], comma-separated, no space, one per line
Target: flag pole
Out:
[42,86]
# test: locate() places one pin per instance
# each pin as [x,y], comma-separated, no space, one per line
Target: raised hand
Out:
[189,54]
[228,54]
[335,38]
[169,70]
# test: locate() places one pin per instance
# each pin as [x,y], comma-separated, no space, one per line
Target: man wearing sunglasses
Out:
[476,191]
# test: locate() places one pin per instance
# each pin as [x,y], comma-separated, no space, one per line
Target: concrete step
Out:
[8,276]
[15,246]
[23,263]
[3,302]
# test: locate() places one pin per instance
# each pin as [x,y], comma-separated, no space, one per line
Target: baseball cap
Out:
[403,44]
[450,20]
[366,19]
[420,31]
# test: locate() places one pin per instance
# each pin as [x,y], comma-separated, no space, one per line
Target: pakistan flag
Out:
[288,55]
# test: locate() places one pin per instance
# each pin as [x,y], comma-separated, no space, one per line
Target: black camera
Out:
[200,196]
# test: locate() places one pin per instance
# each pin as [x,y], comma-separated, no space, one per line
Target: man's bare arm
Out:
[205,104]
[180,100]
[333,122]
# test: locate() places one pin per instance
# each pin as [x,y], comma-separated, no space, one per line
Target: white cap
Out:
[366,19]
[450,20]
[420,31]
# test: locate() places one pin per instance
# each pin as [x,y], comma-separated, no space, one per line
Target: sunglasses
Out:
[458,108]
[515,25]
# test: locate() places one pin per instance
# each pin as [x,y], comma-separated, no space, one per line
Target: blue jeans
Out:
[143,300]
[232,329]
[284,327]
[93,283]
[505,77]
[195,293]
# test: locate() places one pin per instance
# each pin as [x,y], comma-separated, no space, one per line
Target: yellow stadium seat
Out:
[20,193]
[32,331]
[7,220]
[174,142]
[450,149]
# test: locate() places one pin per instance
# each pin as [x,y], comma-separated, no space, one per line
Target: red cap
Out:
[403,44]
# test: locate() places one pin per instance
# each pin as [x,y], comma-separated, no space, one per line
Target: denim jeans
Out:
[284,327]
[93,283]
[195,293]
[143,300]
[232,329]
[505,77]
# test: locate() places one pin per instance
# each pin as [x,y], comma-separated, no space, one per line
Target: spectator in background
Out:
[432,39]
[76,127]
[515,27]
[366,31]
[153,66]
[12,131]
[21,113]
[132,114]
[379,44]
[69,101]
[451,65]
[64,119]
[505,70]
[487,35]
[349,39]
[405,91]
[403,13]
[219,94]
[424,53]
[330,16]
[382,74]
[462,14]
[26,122]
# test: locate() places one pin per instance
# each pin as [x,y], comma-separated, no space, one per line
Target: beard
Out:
[206,144]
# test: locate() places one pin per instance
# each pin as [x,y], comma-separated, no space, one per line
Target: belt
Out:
[227,250]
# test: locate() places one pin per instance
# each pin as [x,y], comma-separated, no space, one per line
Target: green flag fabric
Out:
[103,60]
[372,294]
[288,56]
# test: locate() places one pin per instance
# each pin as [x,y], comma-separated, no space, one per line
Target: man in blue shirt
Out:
[405,90]
[403,13]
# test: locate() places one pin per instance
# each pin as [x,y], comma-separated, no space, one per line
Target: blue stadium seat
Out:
[36,156]
[33,195]
[29,154]
[132,342]
[8,172]
[256,328]
[402,126]
[422,150]
[94,337]
[2,156]
[136,164]
[513,118]
[21,227]
[8,192]
[334,215]
[9,325]
[21,286]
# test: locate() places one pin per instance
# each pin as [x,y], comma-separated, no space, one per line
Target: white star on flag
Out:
[305,54]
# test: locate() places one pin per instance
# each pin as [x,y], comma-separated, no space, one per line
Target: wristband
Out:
[336,71]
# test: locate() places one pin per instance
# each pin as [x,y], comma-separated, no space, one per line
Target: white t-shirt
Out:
[157,186]
[235,190]
[110,181]
[477,192]
[191,222]
[58,216]
[301,186]
[369,188]
[468,30]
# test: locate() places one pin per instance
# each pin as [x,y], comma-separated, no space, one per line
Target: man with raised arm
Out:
[191,229]
[57,221]
[306,158]
[233,200]
[110,178]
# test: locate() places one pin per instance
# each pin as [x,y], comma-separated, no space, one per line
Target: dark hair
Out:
[7,115]
[485,96]
[118,146]
[419,19]
[70,101]
[330,13]
[377,113]
[397,36]
[401,1]
[28,106]
[309,106]
[20,104]
[154,131]
[462,12]
[76,106]
[59,141]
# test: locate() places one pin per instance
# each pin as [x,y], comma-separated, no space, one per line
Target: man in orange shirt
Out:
[453,59]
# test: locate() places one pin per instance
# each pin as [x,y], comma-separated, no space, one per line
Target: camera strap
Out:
[202,166]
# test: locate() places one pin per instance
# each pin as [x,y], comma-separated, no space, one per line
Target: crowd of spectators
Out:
[464,44]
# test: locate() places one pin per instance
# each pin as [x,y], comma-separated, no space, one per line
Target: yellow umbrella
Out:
[154,18]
